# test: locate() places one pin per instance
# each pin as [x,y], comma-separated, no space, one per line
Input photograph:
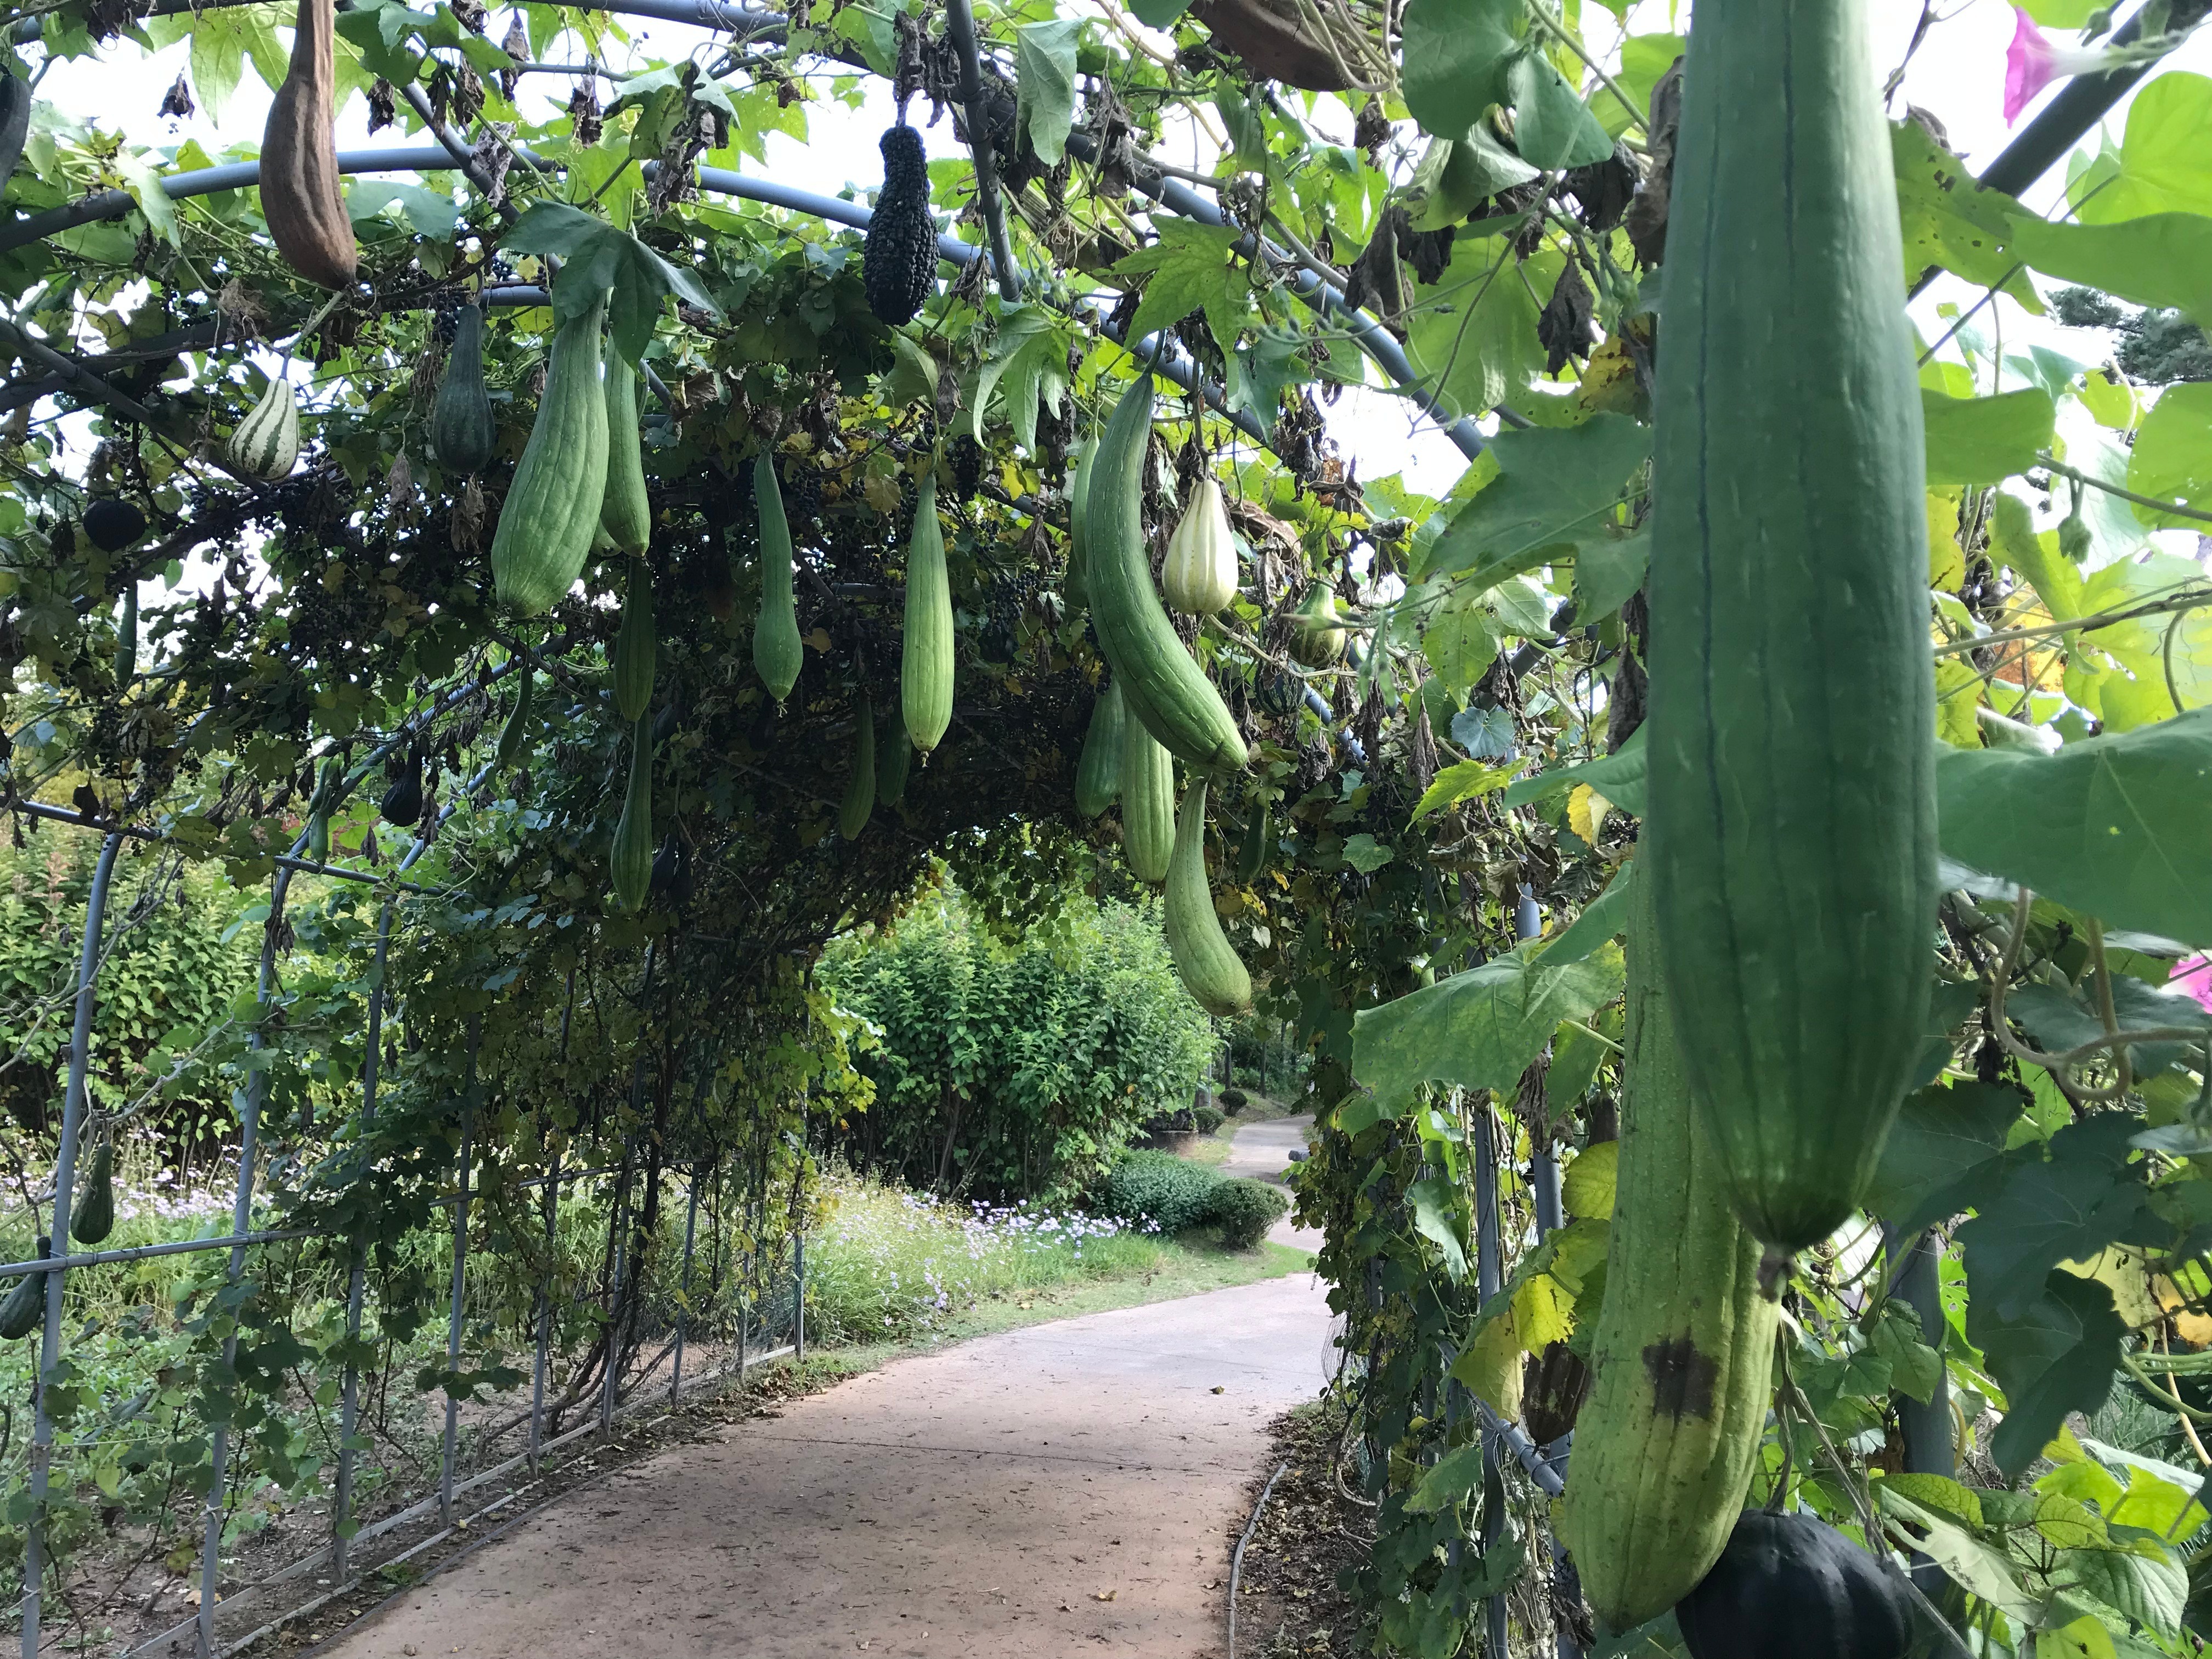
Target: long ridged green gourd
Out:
[93,1217]
[1161,685]
[1259,842]
[894,757]
[552,509]
[925,651]
[462,431]
[1211,969]
[1078,589]
[26,1300]
[636,645]
[1665,1445]
[1148,802]
[777,650]
[517,728]
[625,510]
[1791,838]
[859,788]
[1099,772]
[630,865]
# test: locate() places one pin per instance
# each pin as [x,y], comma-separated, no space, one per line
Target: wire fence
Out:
[750,1307]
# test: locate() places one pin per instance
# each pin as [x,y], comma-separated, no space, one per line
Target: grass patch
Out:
[890,1267]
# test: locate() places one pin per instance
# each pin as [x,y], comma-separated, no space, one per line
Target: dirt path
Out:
[1059,1490]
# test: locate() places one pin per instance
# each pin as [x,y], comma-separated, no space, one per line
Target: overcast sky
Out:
[1958,74]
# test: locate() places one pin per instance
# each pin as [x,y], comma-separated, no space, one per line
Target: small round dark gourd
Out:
[402,805]
[111,525]
[1790,1587]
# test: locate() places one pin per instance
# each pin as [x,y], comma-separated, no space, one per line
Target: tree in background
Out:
[1016,1070]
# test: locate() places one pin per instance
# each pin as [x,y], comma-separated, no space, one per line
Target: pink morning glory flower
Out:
[2194,975]
[2033,63]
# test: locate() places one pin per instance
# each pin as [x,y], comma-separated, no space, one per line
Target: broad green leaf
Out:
[1586,1188]
[1490,1366]
[1934,1491]
[2165,260]
[2171,461]
[2153,648]
[1158,14]
[1552,128]
[143,181]
[1436,1217]
[2085,1637]
[1941,1154]
[2112,826]
[2151,1590]
[2165,163]
[1980,441]
[1643,59]
[2045,1210]
[1450,1478]
[1364,854]
[2111,402]
[1555,490]
[2057,1356]
[1460,644]
[1044,67]
[1914,1368]
[1479,1029]
[1464,782]
[1029,345]
[1981,1568]
[1619,777]
[1575,1057]
[1608,572]
[1261,372]
[1456,57]
[1473,340]
[2057,580]
[1601,918]
[1192,268]
[2059,13]
[428,212]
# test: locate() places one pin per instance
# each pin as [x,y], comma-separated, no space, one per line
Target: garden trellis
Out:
[1404,844]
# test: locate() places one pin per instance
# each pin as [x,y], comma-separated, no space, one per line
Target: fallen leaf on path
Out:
[1101,1596]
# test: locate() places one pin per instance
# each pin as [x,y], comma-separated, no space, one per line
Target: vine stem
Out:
[2155,505]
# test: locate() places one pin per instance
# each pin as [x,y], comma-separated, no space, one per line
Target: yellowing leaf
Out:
[1588,1186]
[1957,692]
[1464,782]
[1542,1312]
[1586,811]
[1490,1366]
[2085,1638]
[1947,559]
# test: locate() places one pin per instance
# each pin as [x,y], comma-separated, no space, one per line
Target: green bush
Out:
[1206,1119]
[1014,1071]
[1244,1210]
[1169,1192]
[1234,1101]
[1188,1119]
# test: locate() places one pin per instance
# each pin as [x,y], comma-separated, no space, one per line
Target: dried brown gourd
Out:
[300,196]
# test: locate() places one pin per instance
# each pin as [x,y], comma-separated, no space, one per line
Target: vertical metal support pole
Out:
[1929,1448]
[250,1100]
[552,1249]
[50,1341]
[798,1296]
[684,1302]
[460,1281]
[621,1224]
[1489,1275]
[357,1273]
[960,23]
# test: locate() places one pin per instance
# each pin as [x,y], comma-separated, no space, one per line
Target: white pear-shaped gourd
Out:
[1199,576]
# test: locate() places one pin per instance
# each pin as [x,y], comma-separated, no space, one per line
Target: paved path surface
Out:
[1263,1151]
[1063,1490]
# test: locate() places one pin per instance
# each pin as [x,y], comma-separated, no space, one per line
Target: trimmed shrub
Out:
[1172,1194]
[1206,1119]
[1244,1210]
[1234,1101]
[1189,1119]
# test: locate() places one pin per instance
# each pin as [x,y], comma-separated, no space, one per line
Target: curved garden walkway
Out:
[1060,1489]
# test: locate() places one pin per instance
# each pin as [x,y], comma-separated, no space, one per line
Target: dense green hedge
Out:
[1016,1071]
[1177,1196]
